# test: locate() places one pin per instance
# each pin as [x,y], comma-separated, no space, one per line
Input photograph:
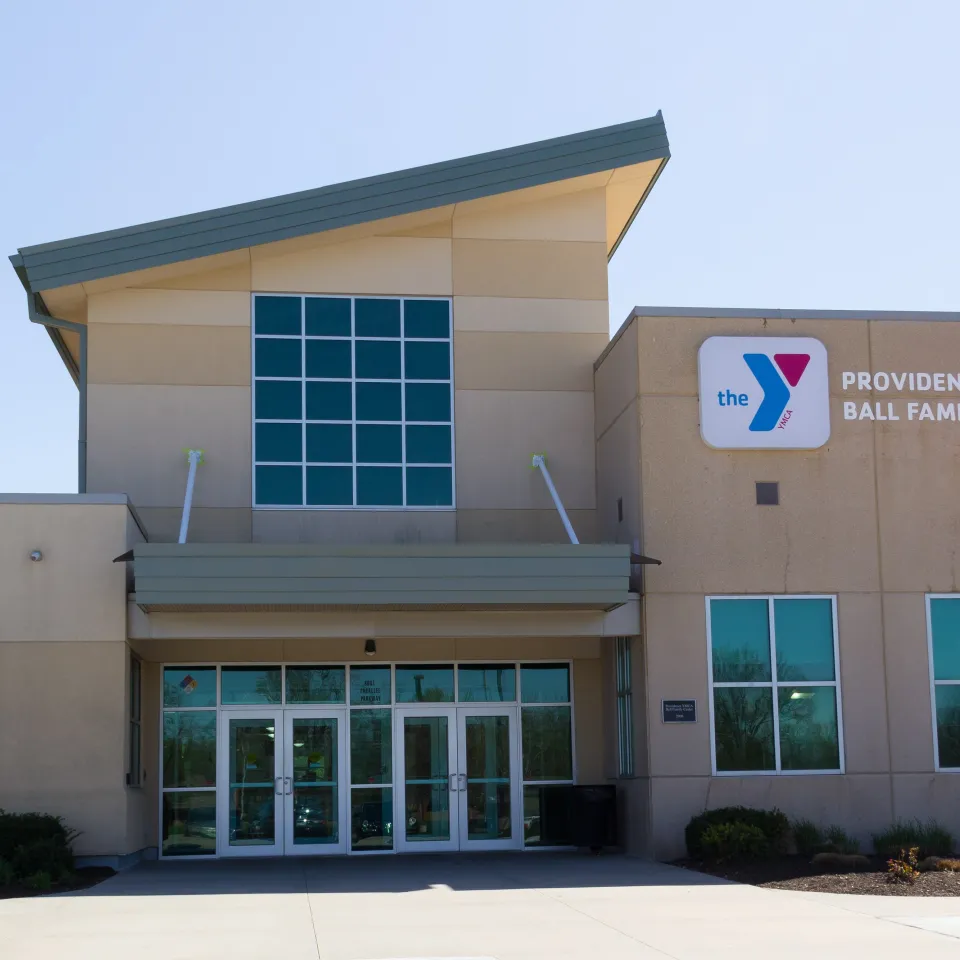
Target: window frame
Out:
[403,424]
[934,683]
[626,759]
[774,685]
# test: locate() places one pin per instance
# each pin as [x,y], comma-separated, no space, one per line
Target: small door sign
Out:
[679,711]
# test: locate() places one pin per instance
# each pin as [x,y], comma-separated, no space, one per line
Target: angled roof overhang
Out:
[54,265]
[214,577]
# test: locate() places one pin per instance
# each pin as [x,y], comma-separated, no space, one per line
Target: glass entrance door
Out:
[487,778]
[314,792]
[251,764]
[427,799]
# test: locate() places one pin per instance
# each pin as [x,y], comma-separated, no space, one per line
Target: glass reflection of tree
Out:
[269,686]
[546,743]
[189,749]
[806,743]
[307,686]
[948,733]
[744,726]
[251,749]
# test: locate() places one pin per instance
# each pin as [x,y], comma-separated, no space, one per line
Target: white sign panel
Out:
[764,393]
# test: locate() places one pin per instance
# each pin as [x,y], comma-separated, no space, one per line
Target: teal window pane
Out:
[190,748]
[428,402]
[545,683]
[809,734]
[378,359]
[378,443]
[430,684]
[369,686]
[328,358]
[740,636]
[190,686]
[426,318]
[743,725]
[428,445]
[378,401]
[327,316]
[480,683]
[426,361]
[377,318]
[316,685]
[278,486]
[279,442]
[277,358]
[804,639]
[330,486]
[945,627]
[379,486]
[329,401]
[278,400]
[329,443]
[277,315]
[189,823]
[250,685]
[948,724]
[429,487]
[547,743]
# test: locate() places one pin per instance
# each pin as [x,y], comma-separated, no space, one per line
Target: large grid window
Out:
[353,402]
[775,696]
[943,619]
[625,706]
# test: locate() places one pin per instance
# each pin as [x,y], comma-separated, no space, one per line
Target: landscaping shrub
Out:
[948,865]
[18,829]
[930,839]
[838,840]
[903,869]
[842,862]
[49,855]
[772,824]
[41,880]
[7,873]
[807,837]
[734,841]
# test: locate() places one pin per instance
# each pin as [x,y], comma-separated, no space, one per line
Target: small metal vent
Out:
[768,494]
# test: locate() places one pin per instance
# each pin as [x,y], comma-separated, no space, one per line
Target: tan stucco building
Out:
[377,632]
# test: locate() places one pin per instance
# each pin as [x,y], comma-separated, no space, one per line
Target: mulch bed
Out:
[798,873]
[83,878]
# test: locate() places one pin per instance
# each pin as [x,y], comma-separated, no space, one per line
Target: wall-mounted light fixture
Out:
[36,556]
[370,648]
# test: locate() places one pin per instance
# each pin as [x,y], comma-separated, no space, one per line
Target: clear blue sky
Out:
[815,144]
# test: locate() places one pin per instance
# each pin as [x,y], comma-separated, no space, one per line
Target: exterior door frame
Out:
[427,710]
[224,849]
[309,712]
[512,712]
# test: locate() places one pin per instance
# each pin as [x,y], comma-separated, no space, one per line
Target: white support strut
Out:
[539,460]
[194,458]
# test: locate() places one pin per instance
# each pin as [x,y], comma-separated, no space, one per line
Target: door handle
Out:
[453,783]
[277,784]
[462,778]
[287,783]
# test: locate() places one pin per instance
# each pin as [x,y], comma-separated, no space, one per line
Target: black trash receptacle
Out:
[593,816]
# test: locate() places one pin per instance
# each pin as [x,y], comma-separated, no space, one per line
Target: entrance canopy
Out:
[254,576]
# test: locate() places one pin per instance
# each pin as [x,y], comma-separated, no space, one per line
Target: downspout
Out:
[38,313]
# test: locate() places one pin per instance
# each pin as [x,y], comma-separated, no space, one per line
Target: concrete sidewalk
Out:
[509,907]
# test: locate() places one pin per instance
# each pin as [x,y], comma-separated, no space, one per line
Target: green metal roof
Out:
[99,255]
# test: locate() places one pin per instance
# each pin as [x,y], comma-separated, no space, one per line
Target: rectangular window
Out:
[546,738]
[775,691]
[133,762]
[943,621]
[625,706]
[353,402]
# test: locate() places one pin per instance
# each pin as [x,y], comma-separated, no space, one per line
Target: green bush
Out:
[7,873]
[50,856]
[734,841]
[772,824]
[930,839]
[807,837]
[41,880]
[839,841]
[19,829]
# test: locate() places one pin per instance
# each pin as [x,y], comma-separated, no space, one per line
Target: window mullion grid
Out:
[403,404]
[303,400]
[774,688]
[353,391]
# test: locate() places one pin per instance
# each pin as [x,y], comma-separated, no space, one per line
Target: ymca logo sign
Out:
[764,393]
